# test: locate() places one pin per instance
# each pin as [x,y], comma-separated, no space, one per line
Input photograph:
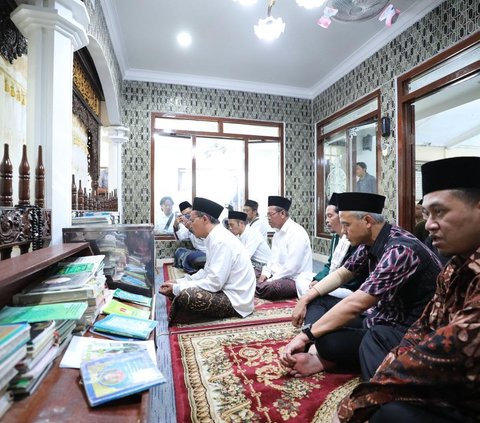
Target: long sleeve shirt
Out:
[261,226]
[438,361]
[183,233]
[291,252]
[228,269]
[256,245]
[402,274]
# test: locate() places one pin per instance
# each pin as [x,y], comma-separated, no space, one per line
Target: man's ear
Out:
[369,220]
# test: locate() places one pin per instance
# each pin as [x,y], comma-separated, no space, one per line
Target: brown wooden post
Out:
[40,180]
[24,180]
[6,175]
[74,194]
[80,195]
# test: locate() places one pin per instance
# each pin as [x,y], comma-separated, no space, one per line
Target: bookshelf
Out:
[61,397]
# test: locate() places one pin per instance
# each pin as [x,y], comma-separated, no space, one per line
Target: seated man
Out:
[433,375]
[225,287]
[187,259]
[361,329]
[340,251]
[291,253]
[253,219]
[254,242]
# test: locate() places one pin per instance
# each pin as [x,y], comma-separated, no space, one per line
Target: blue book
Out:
[130,327]
[133,298]
[108,378]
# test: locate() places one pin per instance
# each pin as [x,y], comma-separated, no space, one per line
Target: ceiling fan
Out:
[356,10]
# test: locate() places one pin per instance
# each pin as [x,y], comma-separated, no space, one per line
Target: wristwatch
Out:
[307,330]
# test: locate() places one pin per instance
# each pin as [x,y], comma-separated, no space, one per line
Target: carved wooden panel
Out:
[12,43]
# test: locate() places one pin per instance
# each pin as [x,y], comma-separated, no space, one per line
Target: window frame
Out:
[406,118]
[374,115]
[247,138]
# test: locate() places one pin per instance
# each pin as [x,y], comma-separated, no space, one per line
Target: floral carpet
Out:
[234,375]
[265,312]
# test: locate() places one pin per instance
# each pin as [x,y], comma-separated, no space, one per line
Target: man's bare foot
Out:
[307,364]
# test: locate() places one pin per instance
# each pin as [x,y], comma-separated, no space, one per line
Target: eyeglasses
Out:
[193,218]
[272,214]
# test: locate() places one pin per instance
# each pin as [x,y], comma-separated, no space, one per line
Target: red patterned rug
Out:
[265,312]
[234,375]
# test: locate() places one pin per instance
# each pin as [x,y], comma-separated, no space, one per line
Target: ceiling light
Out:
[269,28]
[310,4]
[184,39]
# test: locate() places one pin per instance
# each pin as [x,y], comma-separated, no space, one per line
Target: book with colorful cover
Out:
[40,313]
[80,264]
[12,337]
[130,280]
[133,298]
[117,307]
[131,327]
[85,348]
[109,378]
[90,290]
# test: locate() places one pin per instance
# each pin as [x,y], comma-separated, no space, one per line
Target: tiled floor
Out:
[162,398]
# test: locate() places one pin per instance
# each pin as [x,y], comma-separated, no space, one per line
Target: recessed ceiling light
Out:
[184,39]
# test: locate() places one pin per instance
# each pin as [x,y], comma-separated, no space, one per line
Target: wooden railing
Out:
[23,225]
[92,201]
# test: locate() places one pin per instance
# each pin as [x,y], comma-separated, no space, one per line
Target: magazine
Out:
[82,348]
[108,378]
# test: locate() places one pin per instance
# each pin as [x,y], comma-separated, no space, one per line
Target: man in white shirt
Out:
[253,219]
[225,287]
[166,217]
[188,259]
[254,242]
[291,253]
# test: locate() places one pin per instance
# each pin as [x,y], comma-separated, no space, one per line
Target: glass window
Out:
[225,169]
[347,155]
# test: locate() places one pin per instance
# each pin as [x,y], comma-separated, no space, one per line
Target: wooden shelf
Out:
[61,396]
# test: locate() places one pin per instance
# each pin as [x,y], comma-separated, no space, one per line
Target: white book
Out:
[85,348]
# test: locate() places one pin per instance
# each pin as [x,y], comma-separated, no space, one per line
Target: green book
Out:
[40,313]
[117,307]
[126,326]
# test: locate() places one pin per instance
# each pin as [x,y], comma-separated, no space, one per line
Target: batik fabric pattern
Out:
[438,361]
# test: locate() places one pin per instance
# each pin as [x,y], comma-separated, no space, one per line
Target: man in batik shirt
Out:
[434,374]
[360,330]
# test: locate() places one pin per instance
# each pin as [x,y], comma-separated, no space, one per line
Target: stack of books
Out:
[41,351]
[73,280]
[13,348]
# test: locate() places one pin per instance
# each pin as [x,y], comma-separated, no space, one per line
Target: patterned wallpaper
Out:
[142,98]
[452,21]
[444,26]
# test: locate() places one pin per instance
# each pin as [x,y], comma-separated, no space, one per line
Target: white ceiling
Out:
[225,52]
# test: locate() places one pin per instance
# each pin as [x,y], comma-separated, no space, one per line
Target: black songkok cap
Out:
[275,200]
[252,204]
[333,200]
[360,201]
[452,173]
[207,206]
[184,205]
[237,215]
